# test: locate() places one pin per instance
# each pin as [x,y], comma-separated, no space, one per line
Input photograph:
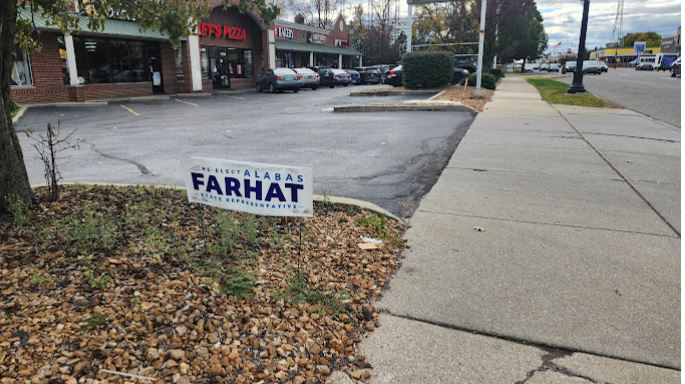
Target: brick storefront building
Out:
[230,50]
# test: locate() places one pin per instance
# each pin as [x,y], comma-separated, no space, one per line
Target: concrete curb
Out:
[231,92]
[367,205]
[392,92]
[413,106]
[198,94]
[19,114]
[137,99]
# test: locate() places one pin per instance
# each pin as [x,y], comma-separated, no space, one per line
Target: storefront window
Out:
[179,63]
[21,70]
[62,51]
[204,63]
[111,61]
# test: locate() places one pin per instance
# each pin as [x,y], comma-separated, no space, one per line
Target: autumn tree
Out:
[173,17]
[375,35]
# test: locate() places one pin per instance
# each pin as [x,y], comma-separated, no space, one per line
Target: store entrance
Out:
[155,67]
[227,64]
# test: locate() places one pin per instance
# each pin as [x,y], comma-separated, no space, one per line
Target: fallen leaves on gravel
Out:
[120,284]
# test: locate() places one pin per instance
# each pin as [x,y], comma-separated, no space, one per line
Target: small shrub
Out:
[498,73]
[488,81]
[19,210]
[376,222]
[427,69]
[229,235]
[95,282]
[90,233]
[12,107]
[238,283]
[39,279]
[97,320]
[299,291]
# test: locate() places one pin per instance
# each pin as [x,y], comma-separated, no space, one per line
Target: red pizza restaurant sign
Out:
[225,31]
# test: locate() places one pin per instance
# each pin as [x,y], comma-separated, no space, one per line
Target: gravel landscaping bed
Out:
[134,284]
[462,94]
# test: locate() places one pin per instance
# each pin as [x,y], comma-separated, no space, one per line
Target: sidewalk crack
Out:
[548,364]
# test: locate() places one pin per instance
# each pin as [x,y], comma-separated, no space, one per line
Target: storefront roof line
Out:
[302,46]
[112,27]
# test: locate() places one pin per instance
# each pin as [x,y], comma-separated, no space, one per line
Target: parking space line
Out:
[134,113]
[187,102]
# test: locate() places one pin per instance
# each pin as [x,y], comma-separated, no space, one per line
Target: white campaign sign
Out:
[263,189]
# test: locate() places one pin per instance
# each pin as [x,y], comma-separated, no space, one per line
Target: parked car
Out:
[459,73]
[544,67]
[326,77]
[593,67]
[554,67]
[279,79]
[369,75]
[568,66]
[354,76]
[341,77]
[394,76]
[675,68]
[664,61]
[310,79]
[384,69]
[467,65]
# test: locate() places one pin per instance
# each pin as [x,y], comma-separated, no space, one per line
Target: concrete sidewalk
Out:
[547,252]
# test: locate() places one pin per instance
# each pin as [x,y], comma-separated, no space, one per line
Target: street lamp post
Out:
[577,85]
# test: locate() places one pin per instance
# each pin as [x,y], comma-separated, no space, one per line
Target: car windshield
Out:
[304,70]
[283,71]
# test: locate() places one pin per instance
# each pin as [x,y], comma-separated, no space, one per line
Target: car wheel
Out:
[296,90]
[271,88]
[672,73]
[346,84]
[315,88]
[332,86]
[259,88]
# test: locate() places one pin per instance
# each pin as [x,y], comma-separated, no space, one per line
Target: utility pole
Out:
[481,43]
[577,85]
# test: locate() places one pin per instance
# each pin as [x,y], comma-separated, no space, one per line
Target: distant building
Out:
[620,56]
[671,44]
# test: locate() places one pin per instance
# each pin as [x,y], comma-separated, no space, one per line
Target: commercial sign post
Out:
[639,47]
[262,189]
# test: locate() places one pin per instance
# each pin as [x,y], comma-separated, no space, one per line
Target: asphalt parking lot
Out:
[389,158]
[655,94]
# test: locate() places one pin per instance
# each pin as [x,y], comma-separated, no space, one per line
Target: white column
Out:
[195,65]
[481,41]
[71,59]
[361,62]
[340,61]
[311,59]
[410,25]
[272,49]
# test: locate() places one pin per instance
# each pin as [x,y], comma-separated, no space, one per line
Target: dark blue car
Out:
[355,76]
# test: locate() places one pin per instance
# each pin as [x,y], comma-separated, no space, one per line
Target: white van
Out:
[646,63]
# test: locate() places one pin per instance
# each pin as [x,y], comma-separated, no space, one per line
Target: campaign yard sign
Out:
[262,189]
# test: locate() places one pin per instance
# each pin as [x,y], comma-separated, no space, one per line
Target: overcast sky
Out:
[562,20]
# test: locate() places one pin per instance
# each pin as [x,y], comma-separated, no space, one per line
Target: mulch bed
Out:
[462,94]
[116,281]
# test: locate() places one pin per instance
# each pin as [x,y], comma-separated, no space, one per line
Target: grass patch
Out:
[299,290]
[554,92]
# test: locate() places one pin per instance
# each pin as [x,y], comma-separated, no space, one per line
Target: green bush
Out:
[498,73]
[13,107]
[488,81]
[427,69]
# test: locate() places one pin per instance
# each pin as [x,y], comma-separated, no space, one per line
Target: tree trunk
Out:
[14,181]
[523,66]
